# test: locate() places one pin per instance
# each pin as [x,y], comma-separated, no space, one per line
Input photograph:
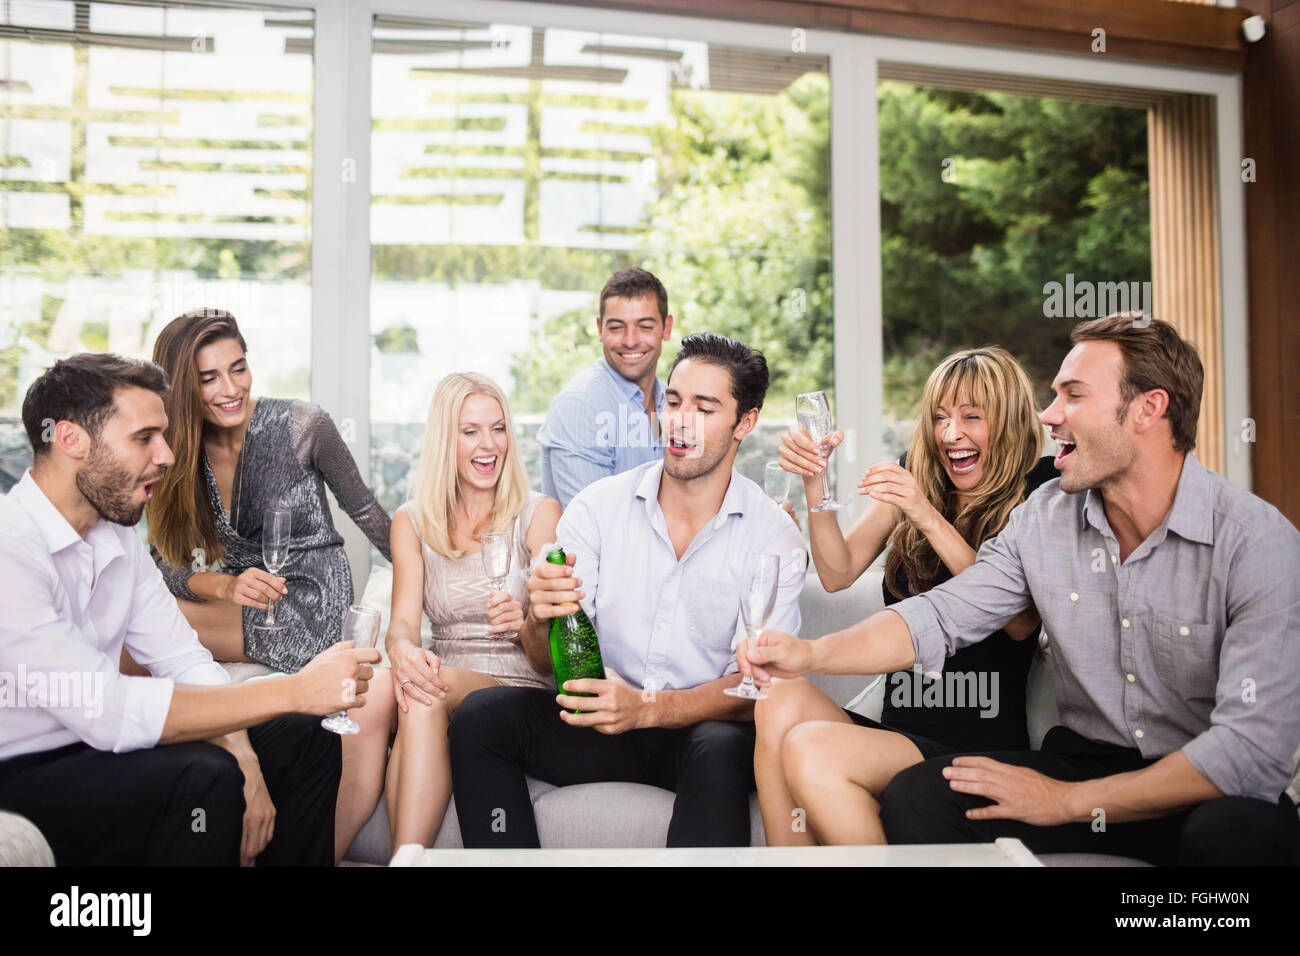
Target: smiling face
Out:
[225,383]
[699,420]
[127,458]
[1090,419]
[481,442]
[961,432]
[632,334]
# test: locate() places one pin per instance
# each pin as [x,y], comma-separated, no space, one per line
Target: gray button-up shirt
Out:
[1192,643]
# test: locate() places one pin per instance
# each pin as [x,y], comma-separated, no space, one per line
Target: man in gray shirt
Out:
[1172,601]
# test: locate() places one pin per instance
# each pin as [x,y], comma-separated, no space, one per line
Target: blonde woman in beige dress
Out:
[470,481]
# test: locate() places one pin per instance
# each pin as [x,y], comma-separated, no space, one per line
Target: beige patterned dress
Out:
[455,598]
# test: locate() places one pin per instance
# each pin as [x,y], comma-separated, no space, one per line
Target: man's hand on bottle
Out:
[553,590]
[775,655]
[617,706]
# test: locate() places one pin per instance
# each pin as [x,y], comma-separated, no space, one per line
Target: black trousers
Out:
[180,804]
[919,806]
[499,734]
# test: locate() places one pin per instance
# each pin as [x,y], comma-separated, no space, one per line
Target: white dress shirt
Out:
[69,604]
[666,624]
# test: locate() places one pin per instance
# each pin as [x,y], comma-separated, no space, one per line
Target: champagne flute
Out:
[776,482]
[495,551]
[360,624]
[813,411]
[762,576]
[277,528]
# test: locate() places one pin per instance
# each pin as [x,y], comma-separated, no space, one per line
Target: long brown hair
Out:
[180,512]
[993,380]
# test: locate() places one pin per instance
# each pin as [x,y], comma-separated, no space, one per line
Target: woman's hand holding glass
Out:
[254,588]
[799,456]
[415,674]
[891,483]
[505,615]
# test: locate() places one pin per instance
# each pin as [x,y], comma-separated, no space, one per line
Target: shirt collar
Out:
[631,390]
[54,528]
[733,502]
[1192,514]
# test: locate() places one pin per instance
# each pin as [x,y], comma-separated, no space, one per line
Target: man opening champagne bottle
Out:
[656,556]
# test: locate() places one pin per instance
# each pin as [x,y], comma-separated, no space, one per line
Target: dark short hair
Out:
[632,284]
[746,366]
[81,389]
[1154,356]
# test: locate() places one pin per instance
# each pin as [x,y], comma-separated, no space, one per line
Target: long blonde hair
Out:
[180,512]
[435,490]
[993,380]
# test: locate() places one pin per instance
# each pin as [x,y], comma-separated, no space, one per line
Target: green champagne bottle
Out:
[575,649]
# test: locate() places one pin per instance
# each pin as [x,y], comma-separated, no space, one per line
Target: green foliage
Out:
[1037,188]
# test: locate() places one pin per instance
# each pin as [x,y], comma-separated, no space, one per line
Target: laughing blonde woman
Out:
[470,481]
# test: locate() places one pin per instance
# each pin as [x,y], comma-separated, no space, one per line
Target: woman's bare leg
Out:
[419,772]
[788,704]
[220,627]
[364,756]
[837,772]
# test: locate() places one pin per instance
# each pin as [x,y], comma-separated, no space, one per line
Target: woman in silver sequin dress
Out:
[470,480]
[235,456]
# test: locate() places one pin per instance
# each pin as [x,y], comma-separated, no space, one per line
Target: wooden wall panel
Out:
[1185,278]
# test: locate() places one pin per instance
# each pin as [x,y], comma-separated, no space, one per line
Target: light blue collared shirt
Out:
[596,427]
[666,624]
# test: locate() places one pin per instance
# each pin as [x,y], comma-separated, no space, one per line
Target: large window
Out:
[515,168]
[154,159]
[998,213]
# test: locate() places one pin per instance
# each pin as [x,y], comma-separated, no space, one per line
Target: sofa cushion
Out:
[21,843]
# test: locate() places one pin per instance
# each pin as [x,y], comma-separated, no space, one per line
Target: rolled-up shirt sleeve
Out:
[65,674]
[158,635]
[1254,730]
[972,605]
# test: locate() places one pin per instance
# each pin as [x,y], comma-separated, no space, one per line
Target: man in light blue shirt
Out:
[660,556]
[606,420]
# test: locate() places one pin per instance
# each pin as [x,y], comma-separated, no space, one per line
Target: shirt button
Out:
[1125,622]
[1138,734]
[1074,596]
[1184,631]
[1130,677]
[1114,559]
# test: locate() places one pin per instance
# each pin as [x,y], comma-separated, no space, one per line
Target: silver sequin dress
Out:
[291,452]
[455,598]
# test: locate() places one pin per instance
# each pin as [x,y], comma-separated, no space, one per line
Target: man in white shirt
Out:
[179,768]
[661,551]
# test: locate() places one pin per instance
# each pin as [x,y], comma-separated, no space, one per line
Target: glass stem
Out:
[270,613]
[826,481]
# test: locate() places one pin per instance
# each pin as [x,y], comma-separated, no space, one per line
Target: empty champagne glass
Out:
[776,482]
[496,564]
[277,528]
[757,599]
[813,411]
[360,624]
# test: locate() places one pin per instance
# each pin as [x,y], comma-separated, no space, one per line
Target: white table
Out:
[1004,852]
